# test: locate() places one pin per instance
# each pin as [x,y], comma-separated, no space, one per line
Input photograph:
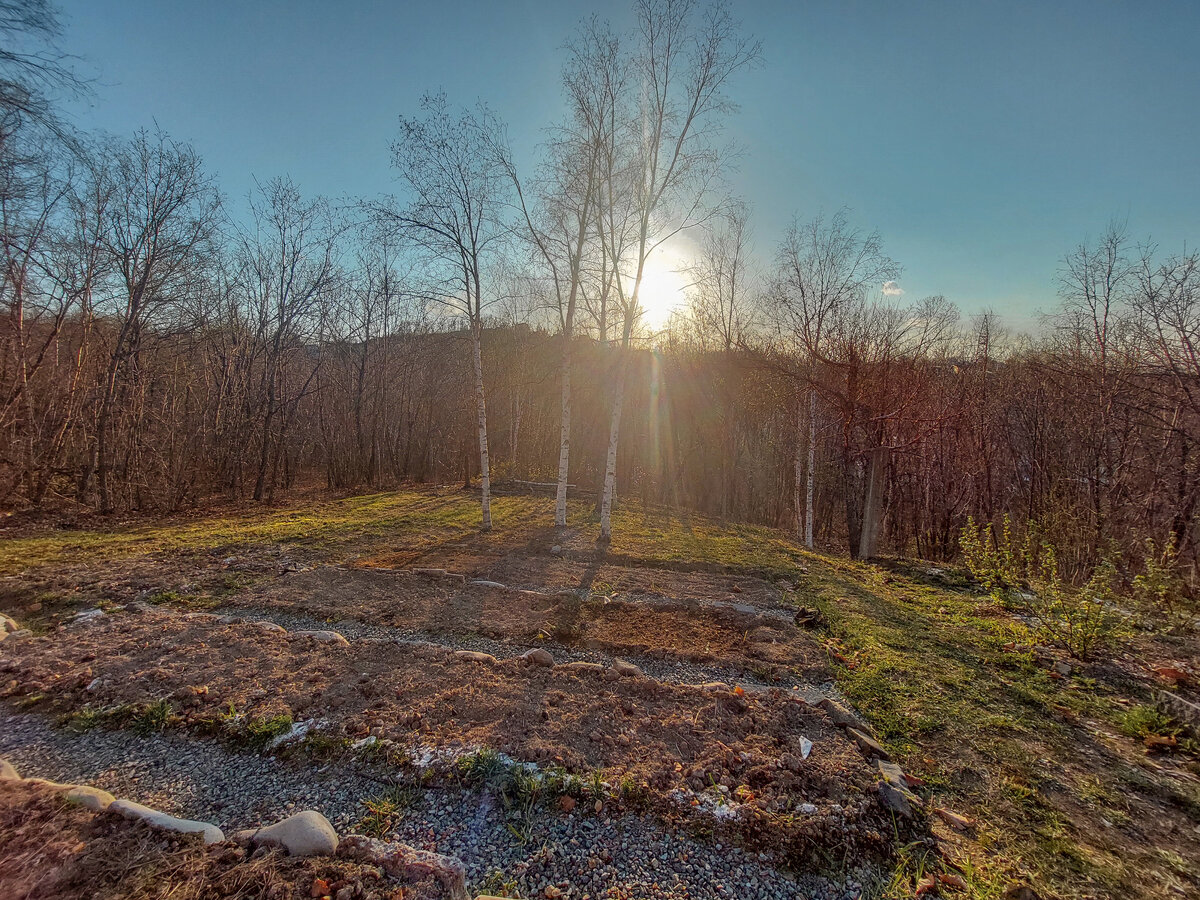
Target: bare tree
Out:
[161,213]
[33,70]
[456,185]
[723,279]
[562,223]
[661,161]
[289,270]
[826,271]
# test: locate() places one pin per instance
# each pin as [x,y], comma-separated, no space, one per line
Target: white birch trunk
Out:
[812,464]
[481,411]
[564,441]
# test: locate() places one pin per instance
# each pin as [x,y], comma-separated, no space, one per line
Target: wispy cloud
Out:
[892,289]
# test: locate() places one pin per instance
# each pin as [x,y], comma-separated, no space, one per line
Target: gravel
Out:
[584,855]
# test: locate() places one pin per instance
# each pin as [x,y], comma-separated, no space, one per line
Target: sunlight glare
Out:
[663,290]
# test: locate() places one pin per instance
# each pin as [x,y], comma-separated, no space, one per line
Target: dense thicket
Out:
[161,346]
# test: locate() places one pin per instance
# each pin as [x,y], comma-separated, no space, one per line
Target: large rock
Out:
[211,833]
[307,833]
[538,657]
[891,773]
[325,637]
[7,772]
[895,799]
[7,625]
[406,863]
[582,666]
[89,797]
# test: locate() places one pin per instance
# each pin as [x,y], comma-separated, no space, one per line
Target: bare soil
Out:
[640,623]
[666,737]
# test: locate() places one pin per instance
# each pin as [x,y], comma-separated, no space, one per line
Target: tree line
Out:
[163,346]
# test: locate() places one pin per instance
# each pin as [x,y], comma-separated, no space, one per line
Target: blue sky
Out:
[983,140]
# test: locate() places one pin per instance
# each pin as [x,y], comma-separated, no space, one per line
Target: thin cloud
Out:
[892,289]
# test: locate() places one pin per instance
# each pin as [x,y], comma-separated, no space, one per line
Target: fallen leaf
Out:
[1170,674]
[953,819]
[1157,741]
[320,888]
[953,880]
[739,691]
[926,885]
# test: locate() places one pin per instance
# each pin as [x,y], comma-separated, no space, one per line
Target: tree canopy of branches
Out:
[162,346]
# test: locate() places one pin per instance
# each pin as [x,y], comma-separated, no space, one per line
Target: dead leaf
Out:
[953,819]
[953,880]
[320,888]
[927,885]
[1159,741]
[1170,674]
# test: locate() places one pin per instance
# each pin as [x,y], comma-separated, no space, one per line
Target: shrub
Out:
[1161,587]
[1025,574]
[1080,620]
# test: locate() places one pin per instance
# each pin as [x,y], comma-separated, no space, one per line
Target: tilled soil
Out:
[609,854]
[734,632]
[670,737]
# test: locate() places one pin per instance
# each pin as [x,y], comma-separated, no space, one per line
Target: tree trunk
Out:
[872,514]
[481,412]
[564,440]
[798,471]
[812,465]
[610,465]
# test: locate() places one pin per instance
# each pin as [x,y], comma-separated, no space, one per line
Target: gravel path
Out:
[582,854]
[679,672]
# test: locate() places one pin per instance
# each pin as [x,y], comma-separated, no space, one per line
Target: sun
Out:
[663,290]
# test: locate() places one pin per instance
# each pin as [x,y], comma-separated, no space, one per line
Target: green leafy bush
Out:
[1161,588]
[1024,574]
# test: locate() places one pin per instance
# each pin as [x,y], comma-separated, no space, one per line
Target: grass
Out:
[935,671]
[258,733]
[385,809]
[1049,767]
[406,520]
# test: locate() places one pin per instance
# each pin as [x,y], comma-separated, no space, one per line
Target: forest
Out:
[164,346]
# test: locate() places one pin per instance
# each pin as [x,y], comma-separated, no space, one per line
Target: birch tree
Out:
[662,162]
[457,186]
[564,220]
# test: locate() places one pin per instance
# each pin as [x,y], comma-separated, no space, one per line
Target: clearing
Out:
[370,658]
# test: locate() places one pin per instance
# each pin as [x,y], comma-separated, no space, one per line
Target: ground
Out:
[656,784]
